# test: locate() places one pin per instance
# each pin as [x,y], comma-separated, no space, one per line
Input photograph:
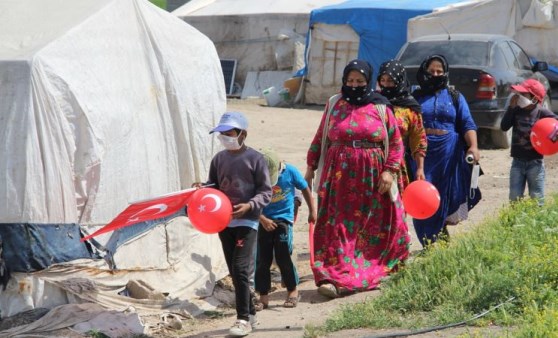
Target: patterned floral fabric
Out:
[414,139]
[360,235]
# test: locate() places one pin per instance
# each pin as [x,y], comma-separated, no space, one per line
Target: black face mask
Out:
[355,95]
[433,83]
[389,92]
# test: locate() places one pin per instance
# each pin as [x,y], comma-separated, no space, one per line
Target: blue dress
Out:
[444,164]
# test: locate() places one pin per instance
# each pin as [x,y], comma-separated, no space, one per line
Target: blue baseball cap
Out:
[231,120]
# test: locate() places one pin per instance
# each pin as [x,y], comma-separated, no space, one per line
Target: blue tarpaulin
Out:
[30,247]
[381,25]
[27,247]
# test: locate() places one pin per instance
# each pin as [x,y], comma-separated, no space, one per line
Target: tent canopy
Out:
[379,29]
[381,25]
[102,102]
[262,35]
[532,23]
[249,7]
[95,87]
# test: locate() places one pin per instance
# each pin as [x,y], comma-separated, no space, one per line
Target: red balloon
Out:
[541,133]
[421,199]
[209,210]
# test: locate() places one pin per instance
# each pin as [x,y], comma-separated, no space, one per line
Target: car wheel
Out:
[501,139]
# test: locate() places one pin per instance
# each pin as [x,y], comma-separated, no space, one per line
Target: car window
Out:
[508,54]
[467,53]
[522,58]
[498,59]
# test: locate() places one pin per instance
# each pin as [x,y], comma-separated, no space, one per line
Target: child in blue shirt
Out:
[275,233]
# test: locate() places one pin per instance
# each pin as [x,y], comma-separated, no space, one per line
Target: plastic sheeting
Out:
[84,318]
[103,102]
[381,30]
[31,247]
[532,23]
[507,17]
[262,35]
[246,7]
[111,104]
[173,258]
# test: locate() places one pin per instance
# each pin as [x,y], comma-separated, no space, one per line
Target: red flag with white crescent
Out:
[147,210]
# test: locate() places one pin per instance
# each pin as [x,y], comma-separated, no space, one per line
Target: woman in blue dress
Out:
[451,134]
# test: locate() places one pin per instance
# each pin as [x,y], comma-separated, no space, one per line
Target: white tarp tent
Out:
[532,23]
[262,35]
[102,102]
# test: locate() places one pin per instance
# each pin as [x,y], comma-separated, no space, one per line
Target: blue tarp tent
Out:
[381,25]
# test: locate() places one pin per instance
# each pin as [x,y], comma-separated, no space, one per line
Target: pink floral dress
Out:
[360,235]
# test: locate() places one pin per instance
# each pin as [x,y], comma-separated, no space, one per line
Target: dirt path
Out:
[289,132]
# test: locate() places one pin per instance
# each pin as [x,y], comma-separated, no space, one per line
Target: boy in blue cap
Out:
[241,173]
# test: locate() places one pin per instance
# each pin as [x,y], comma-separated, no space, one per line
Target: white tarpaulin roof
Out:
[532,23]
[103,102]
[246,7]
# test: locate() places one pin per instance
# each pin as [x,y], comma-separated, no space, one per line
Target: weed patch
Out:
[514,256]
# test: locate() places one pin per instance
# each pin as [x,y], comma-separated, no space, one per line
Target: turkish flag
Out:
[147,210]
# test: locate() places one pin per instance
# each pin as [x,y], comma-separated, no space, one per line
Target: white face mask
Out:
[523,102]
[229,142]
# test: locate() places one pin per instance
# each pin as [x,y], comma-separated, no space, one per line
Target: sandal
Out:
[291,302]
[259,306]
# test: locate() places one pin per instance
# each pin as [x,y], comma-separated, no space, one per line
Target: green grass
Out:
[512,256]
[160,3]
[95,334]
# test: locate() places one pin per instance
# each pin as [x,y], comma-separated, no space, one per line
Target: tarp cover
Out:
[514,18]
[372,30]
[262,35]
[102,102]
[245,7]
[381,25]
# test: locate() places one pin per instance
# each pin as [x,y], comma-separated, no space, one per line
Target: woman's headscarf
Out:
[429,83]
[360,96]
[399,95]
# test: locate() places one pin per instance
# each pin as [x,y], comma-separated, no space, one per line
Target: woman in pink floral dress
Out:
[360,235]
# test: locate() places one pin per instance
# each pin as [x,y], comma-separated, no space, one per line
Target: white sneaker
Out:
[240,328]
[254,321]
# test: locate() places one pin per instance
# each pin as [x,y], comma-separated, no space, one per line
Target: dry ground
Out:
[289,131]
